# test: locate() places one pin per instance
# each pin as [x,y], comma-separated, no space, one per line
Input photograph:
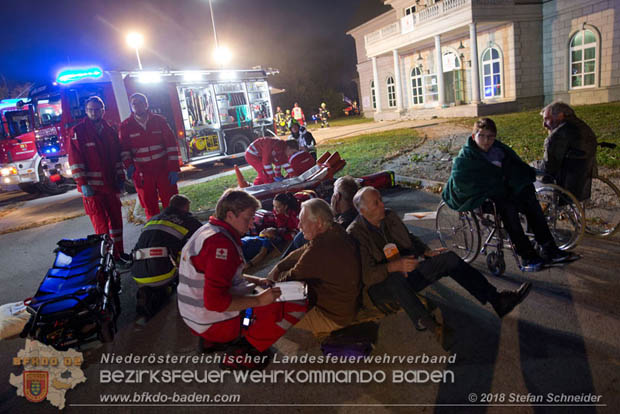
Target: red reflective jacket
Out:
[299,163]
[151,150]
[270,151]
[95,158]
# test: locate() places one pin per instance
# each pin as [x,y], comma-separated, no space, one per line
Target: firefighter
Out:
[303,136]
[324,115]
[156,254]
[150,155]
[299,161]
[298,114]
[263,154]
[280,121]
[216,300]
[95,160]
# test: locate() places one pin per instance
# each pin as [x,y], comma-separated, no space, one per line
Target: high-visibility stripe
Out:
[171,149]
[199,284]
[284,324]
[95,182]
[166,225]
[149,148]
[77,174]
[137,134]
[94,174]
[173,157]
[150,158]
[190,301]
[155,279]
[76,166]
[90,144]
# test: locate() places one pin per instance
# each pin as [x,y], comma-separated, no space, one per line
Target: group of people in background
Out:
[353,253]
[284,119]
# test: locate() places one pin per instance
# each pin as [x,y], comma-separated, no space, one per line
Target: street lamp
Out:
[136,40]
[222,54]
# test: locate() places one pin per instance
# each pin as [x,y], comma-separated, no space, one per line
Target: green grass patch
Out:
[205,195]
[343,121]
[524,132]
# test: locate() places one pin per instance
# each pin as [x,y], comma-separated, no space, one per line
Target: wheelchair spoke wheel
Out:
[458,232]
[564,215]
[603,208]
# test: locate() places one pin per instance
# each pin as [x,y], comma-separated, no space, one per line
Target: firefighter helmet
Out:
[323,105]
[292,122]
[288,111]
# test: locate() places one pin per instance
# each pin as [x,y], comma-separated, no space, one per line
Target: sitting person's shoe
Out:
[506,301]
[532,264]
[560,256]
[445,336]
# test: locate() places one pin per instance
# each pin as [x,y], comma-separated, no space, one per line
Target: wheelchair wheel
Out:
[496,263]
[564,215]
[603,208]
[458,232]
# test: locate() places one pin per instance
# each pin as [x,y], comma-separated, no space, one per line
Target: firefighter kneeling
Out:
[156,255]
[216,300]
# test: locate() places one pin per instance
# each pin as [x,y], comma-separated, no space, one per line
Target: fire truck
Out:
[20,163]
[215,114]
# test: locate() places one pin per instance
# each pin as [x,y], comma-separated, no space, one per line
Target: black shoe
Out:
[560,256]
[124,261]
[532,264]
[506,301]
[445,336]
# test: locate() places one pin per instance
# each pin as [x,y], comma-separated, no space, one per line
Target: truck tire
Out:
[238,143]
[30,188]
[48,187]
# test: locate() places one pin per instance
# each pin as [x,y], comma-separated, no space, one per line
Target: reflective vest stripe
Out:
[156,280]
[165,225]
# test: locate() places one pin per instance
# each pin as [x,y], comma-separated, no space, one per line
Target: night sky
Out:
[39,37]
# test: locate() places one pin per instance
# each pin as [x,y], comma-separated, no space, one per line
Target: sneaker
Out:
[507,300]
[532,264]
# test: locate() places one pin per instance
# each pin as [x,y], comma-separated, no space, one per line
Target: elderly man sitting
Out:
[396,265]
[330,265]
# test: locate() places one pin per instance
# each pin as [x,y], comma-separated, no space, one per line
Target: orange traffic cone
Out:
[240,179]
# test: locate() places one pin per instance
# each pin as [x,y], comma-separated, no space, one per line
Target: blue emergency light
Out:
[72,75]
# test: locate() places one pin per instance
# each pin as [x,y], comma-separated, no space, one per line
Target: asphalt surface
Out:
[562,340]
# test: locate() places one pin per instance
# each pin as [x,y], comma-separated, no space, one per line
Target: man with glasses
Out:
[95,160]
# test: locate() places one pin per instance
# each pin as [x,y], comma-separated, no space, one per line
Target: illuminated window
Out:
[417,90]
[492,72]
[583,59]
[391,92]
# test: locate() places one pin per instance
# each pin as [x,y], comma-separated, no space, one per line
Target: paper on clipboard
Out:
[292,291]
[419,215]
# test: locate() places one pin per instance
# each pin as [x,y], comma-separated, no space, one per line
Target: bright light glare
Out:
[135,40]
[228,74]
[222,55]
[149,77]
[192,76]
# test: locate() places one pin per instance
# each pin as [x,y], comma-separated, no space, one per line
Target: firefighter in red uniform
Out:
[150,155]
[299,161]
[298,114]
[261,154]
[94,157]
[215,298]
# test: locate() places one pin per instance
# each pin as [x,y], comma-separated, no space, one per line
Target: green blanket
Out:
[474,178]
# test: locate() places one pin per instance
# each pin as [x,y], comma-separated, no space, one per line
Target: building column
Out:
[397,85]
[475,77]
[439,65]
[375,78]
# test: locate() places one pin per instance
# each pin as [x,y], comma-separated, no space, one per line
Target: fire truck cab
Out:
[215,114]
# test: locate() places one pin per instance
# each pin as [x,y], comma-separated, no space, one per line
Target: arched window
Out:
[583,59]
[492,72]
[417,90]
[391,92]
[373,95]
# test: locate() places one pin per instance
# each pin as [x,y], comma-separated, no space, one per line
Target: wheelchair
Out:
[481,231]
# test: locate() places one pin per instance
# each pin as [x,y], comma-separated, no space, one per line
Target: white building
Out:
[450,58]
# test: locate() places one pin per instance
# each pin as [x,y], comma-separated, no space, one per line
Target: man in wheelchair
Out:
[488,169]
[570,150]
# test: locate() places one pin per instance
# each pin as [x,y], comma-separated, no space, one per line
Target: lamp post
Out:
[135,40]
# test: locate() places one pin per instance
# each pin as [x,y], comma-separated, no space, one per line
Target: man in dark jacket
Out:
[487,169]
[570,149]
[156,255]
[396,265]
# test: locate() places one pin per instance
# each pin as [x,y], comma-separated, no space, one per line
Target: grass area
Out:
[342,121]
[523,131]
[363,153]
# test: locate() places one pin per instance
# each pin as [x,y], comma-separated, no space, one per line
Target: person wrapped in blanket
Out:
[486,168]
[256,248]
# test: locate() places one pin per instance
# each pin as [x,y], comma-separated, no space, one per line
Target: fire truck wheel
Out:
[29,188]
[238,144]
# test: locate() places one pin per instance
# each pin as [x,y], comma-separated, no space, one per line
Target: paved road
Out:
[562,339]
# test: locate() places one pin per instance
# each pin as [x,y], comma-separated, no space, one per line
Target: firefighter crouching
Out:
[216,300]
[263,154]
[150,155]
[299,161]
[95,161]
[156,255]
